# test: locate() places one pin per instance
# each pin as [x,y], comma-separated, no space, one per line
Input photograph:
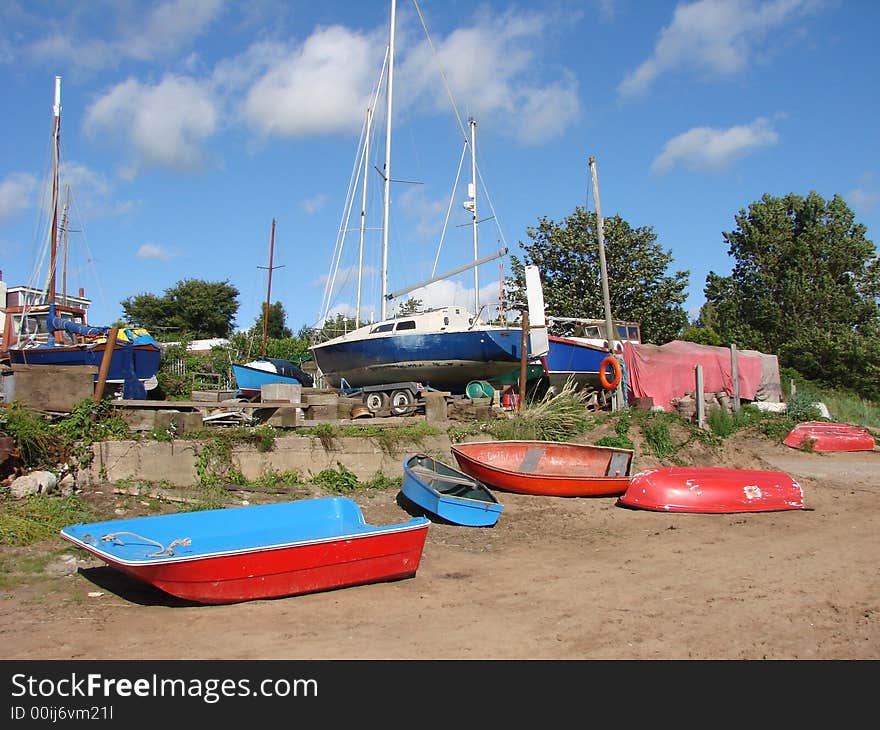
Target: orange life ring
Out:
[615,366]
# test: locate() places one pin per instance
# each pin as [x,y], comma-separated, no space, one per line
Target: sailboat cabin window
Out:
[407,325]
[382,328]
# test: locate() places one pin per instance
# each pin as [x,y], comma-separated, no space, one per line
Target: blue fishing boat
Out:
[448,493]
[252,376]
[256,552]
[579,362]
[50,333]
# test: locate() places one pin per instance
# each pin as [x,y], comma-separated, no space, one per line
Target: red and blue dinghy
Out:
[261,551]
[448,493]
[712,490]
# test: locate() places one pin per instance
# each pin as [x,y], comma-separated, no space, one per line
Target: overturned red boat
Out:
[825,436]
[712,490]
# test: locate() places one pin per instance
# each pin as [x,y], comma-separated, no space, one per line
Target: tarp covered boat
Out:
[252,376]
[262,551]
[547,467]
[826,436]
[712,490]
[448,493]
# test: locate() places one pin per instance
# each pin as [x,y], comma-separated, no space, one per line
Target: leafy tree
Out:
[331,328]
[410,306]
[277,328]
[567,255]
[198,309]
[805,285]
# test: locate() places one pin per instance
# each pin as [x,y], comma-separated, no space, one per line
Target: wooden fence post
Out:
[700,396]
[734,371]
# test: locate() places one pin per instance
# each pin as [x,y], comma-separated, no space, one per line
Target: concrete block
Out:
[187,422]
[289,392]
[435,407]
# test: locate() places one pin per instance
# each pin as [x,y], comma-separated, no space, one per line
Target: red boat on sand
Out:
[712,490]
[261,551]
[547,467]
[826,436]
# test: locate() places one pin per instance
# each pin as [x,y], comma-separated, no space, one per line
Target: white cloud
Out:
[163,125]
[717,37]
[153,251]
[159,32]
[493,69]
[314,204]
[708,148]
[15,193]
[321,87]
[865,199]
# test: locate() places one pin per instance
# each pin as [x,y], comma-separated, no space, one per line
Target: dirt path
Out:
[555,578]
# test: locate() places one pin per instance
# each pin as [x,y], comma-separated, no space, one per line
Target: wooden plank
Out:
[201,405]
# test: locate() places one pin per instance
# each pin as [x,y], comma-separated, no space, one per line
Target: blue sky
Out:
[189,125]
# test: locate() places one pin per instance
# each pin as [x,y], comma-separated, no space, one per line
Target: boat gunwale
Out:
[416,523]
[548,476]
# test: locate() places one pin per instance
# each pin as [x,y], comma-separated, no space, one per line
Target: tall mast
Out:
[357,311]
[268,292]
[600,228]
[65,226]
[387,159]
[56,152]
[472,194]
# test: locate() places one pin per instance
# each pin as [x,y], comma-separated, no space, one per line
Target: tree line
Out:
[804,285]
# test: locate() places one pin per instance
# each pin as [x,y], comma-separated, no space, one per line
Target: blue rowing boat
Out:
[448,493]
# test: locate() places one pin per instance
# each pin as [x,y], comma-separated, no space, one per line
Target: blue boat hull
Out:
[140,360]
[571,360]
[250,380]
[448,493]
[441,360]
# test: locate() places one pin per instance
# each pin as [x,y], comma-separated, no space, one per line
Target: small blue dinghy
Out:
[448,493]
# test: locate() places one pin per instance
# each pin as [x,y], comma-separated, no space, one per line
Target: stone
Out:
[34,483]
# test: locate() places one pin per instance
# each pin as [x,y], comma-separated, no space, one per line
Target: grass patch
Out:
[36,518]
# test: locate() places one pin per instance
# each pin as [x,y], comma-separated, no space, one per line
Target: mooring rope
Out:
[163,551]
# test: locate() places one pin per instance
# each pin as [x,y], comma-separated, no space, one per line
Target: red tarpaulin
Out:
[664,372]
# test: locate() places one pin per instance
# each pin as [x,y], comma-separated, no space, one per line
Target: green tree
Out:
[195,308]
[805,286]
[410,306]
[640,290]
[331,328]
[277,328]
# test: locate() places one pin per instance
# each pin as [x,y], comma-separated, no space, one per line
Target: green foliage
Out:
[702,336]
[802,407]
[214,465]
[410,306]
[37,445]
[276,328]
[556,417]
[621,428]
[272,478]
[38,517]
[658,437]
[567,255]
[339,325]
[196,308]
[805,285]
[337,480]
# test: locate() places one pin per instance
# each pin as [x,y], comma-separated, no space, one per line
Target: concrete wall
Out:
[175,461]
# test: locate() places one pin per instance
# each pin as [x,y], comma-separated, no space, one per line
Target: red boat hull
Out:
[712,490]
[547,468]
[822,436]
[283,571]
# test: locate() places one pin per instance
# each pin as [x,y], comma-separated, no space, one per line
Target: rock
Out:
[67,485]
[34,483]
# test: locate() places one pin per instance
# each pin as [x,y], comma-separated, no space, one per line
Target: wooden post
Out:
[523,361]
[734,371]
[105,363]
[700,396]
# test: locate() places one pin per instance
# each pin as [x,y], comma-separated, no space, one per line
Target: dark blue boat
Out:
[448,493]
[580,362]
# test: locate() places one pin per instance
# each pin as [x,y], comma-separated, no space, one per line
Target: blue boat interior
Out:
[447,481]
[191,534]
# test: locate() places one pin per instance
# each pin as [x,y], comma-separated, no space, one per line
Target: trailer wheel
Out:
[401,403]
[376,401]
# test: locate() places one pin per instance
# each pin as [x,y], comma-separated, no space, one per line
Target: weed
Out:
[38,517]
[336,480]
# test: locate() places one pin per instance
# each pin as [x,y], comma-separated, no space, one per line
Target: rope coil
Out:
[114,537]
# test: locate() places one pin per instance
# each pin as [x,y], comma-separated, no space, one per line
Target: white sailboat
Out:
[444,348]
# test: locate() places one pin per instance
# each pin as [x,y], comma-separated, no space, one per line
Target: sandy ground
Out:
[554,579]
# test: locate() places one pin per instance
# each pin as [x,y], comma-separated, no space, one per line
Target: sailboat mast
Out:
[357,311]
[473,196]
[65,226]
[268,292]
[385,210]
[53,256]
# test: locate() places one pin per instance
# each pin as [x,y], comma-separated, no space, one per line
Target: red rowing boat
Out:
[547,467]
[825,436]
[261,551]
[712,490]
